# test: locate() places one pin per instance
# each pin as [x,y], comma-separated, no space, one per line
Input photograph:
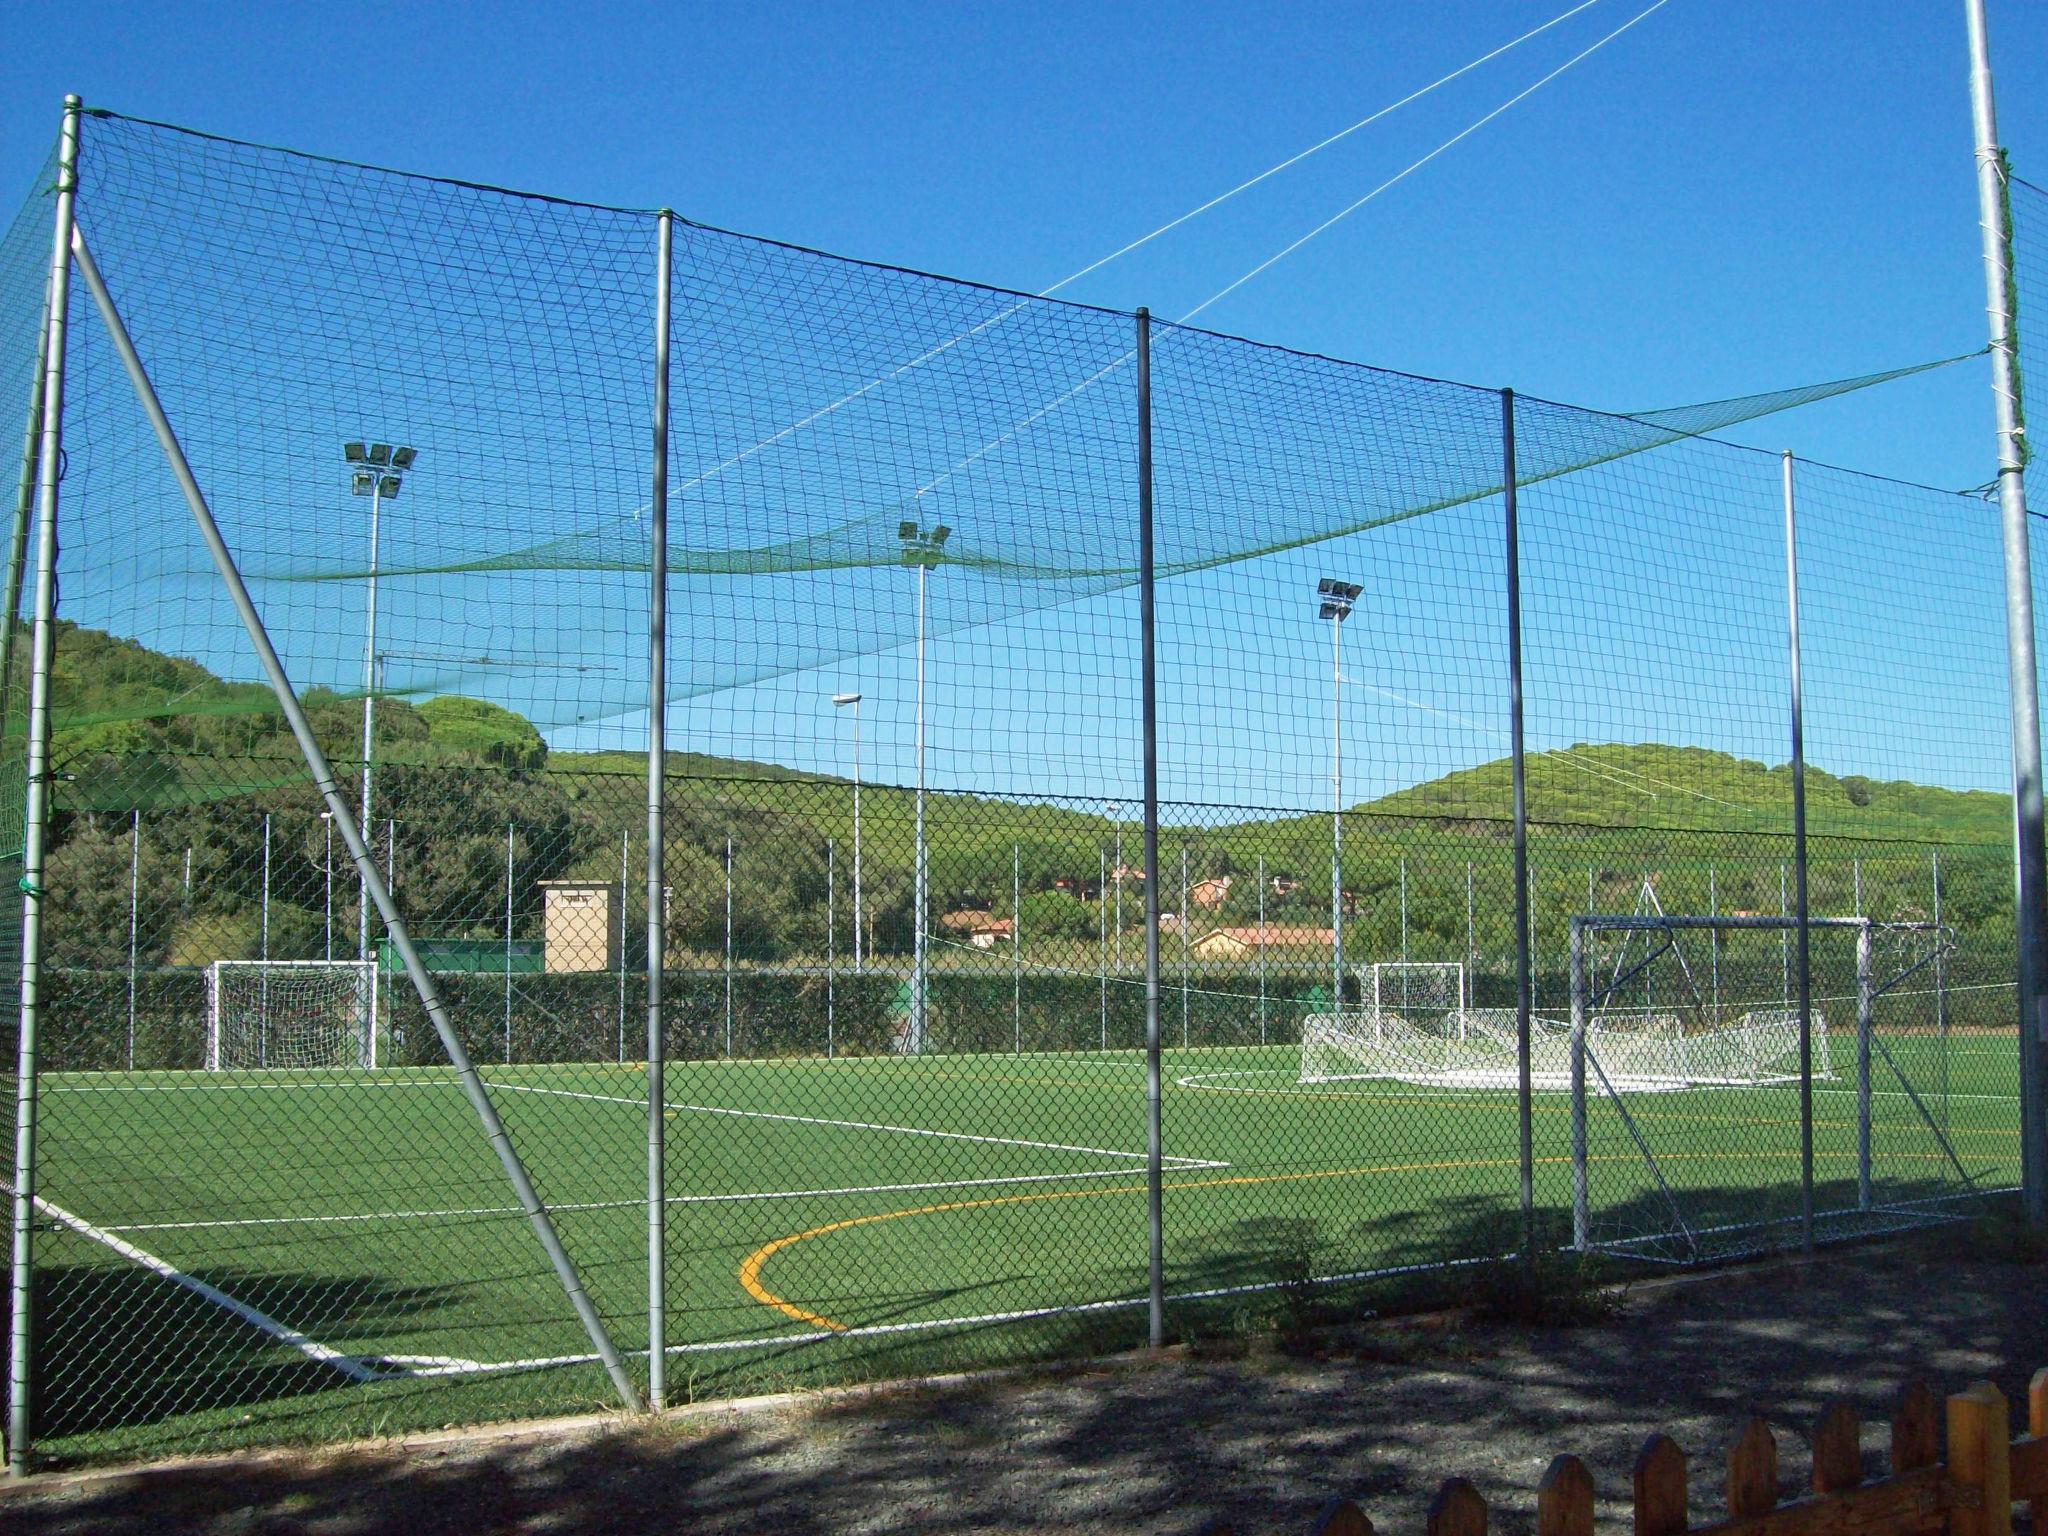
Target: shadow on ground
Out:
[1257,1435]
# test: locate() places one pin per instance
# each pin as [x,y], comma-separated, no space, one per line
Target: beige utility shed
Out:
[583,930]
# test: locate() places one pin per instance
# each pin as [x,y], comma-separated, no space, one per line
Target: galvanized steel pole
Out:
[42,650]
[1525,1112]
[1803,934]
[657,895]
[2030,859]
[1149,707]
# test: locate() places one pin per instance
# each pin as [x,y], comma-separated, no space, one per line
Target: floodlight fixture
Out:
[380,454]
[352,452]
[387,486]
[906,531]
[1337,598]
[362,482]
[939,536]
[845,698]
[401,458]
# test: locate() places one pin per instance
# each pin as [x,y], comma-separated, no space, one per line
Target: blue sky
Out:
[1731,197]
[1734,195]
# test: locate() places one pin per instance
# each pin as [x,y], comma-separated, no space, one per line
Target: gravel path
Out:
[1260,1437]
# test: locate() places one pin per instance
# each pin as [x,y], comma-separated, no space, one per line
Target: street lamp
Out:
[842,701]
[1334,599]
[375,470]
[921,550]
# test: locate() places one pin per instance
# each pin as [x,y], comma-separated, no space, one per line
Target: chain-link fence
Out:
[905,911]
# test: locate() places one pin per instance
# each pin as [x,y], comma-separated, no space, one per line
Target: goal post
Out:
[1609,1035]
[270,1014]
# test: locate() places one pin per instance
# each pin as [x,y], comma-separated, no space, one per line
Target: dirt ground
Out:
[1259,1436]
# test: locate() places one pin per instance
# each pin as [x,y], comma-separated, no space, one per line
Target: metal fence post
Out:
[1149,690]
[1016,950]
[42,642]
[2030,856]
[831,946]
[1582,1219]
[1525,1109]
[657,891]
[1803,933]
[322,774]
[134,909]
[508,942]
[1865,998]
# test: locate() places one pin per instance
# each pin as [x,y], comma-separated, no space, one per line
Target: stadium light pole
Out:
[2030,857]
[922,550]
[852,701]
[1334,599]
[375,471]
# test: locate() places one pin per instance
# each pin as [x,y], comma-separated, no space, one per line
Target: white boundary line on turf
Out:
[1200,1082]
[347,1364]
[619,1205]
[863,1125]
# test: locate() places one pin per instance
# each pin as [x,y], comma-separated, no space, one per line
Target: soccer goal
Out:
[1416,1025]
[290,1013]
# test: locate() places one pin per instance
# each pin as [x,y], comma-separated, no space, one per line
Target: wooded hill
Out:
[204,760]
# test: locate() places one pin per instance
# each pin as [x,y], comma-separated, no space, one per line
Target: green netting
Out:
[902,934]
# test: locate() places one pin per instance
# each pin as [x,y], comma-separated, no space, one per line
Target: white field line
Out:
[868,1125]
[617,1205]
[1206,1082]
[347,1364]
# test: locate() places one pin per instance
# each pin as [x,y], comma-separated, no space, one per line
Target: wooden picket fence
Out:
[1971,1493]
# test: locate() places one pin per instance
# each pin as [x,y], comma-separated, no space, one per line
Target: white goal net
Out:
[1414,1025]
[290,1013]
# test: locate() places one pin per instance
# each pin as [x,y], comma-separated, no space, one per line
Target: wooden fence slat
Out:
[1564,1499]
[1837,1449]
[1341,1517]
[1979,1465]
[1457,1510]
[1752,1471]
[1659,1488]
[2037,1427]
[1916,1429]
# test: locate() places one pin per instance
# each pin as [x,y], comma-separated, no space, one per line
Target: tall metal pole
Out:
[2030,861]
[856,837]
[657,892]
[1940,985]
[1866,998]
[369,705]
[327,882]
[1336,813]
[1149,708]
[625,877]
[831,944]
[42,649]
[353,836]
[1525,1113]
[920,899]
[728,947]
[1582,1195]
[1102,942]
[1803,933]
[508,942]
[1262,949]
[1016,950]
[134,909]
[1184,941]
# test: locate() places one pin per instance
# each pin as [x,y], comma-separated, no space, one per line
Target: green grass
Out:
[831,1220]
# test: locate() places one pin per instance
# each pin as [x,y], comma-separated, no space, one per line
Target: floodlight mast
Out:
[375,470]
[922,550]
[852,701]
[1334,599]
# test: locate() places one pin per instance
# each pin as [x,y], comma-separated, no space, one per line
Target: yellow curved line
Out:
[750,1270]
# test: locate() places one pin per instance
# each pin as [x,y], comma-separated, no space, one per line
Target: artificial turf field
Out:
[264,1256]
